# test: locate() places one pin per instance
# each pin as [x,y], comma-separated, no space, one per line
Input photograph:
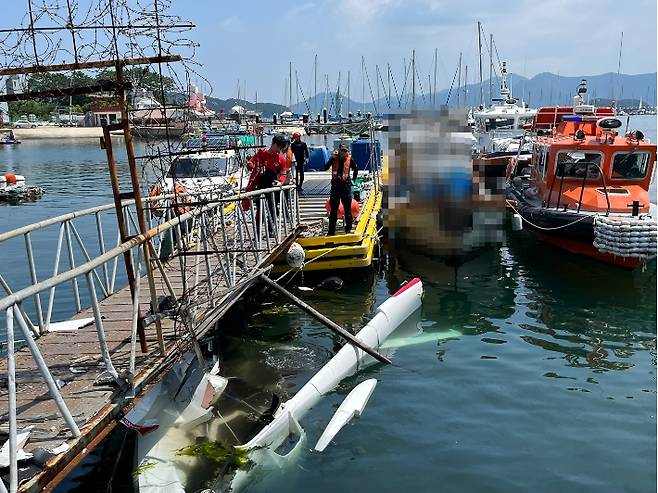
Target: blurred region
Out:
[438,199]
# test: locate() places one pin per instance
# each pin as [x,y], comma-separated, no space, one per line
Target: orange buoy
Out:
[11,178]
[356,208]
[180,202]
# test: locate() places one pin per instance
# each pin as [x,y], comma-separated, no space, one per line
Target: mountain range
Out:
[541,90]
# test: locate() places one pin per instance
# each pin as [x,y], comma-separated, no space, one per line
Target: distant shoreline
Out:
[56,133]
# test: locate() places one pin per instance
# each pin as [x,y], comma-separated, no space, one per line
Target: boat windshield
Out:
[192,168]
[498,123]
[574,164]
[630,165]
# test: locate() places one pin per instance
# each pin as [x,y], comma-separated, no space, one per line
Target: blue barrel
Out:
[318,158]
[360,149]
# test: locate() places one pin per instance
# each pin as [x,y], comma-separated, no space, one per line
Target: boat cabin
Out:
[580,162]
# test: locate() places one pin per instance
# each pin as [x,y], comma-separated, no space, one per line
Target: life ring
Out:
[180,202]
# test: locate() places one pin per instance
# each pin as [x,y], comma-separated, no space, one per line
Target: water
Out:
[550,387]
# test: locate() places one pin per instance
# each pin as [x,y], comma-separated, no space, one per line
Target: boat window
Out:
[630,165]
[541,158]
[191,167]
[499,123]
[574,164]
[524,120]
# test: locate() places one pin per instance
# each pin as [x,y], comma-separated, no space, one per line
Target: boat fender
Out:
[295,256]
[11,178]
[517,222]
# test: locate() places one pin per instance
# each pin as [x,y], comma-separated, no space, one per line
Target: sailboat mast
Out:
[413,78]
[289,85]
[480,64]
[315,84]
[459,80]
[436,53]
[348,92]
[363,85]
[490,67]
[621,45]
[465,84]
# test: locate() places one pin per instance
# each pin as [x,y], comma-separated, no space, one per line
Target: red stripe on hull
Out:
[588,250]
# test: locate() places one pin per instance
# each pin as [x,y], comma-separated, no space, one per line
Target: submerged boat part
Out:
[351,407]
[199,410]
[389,315]
[420,338]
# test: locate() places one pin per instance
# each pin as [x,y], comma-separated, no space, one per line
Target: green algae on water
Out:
[143,468]
[215,452]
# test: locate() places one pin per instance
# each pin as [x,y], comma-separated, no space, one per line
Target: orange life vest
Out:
[346,167]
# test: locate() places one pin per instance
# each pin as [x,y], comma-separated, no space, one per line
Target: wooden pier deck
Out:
[75,362]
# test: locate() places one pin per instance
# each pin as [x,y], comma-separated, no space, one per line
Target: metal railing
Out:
[232,235]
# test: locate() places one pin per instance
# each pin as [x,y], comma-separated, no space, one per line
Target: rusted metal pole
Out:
[139,206]
[123,230]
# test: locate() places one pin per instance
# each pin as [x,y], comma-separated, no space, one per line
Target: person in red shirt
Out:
[268,169]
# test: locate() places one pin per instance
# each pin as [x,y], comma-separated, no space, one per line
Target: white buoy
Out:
[517,222]
[295,256]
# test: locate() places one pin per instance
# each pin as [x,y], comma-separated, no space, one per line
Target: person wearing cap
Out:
[341,187]
[300,150]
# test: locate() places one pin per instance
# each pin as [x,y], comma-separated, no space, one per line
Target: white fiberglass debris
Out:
[21,439]
[352,406]
[70,325]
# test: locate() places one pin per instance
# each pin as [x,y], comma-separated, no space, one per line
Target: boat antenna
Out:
[480,63]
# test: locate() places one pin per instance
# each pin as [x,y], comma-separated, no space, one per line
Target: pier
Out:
[69,382]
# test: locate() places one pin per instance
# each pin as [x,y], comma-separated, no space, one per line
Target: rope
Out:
[509,203]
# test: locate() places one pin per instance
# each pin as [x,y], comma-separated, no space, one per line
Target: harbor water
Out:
[545,379]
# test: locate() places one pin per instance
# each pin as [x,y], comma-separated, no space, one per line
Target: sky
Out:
[254,41]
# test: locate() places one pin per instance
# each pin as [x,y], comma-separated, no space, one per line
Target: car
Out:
[24,124]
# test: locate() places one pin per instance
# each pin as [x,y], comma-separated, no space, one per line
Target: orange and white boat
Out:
[585,186]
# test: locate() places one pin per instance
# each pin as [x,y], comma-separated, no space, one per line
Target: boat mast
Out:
[465,84]
[348,92]
[480,64]
[621,45]
[389,82]
[363,85]
[436,53]
[490,67]
[413,78]
[289,85]
[315,84]
[459,80]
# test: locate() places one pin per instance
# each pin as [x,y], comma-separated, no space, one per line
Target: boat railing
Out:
[247,227]
[560,169]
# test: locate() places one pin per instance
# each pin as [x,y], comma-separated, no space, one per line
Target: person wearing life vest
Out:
[341,164]
[300,150]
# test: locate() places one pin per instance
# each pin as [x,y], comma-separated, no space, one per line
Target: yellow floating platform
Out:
[341,251]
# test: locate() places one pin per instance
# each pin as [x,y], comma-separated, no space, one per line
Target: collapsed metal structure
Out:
[233,237]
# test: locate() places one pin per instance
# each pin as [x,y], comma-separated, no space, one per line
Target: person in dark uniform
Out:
[341,187]
[300,150]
